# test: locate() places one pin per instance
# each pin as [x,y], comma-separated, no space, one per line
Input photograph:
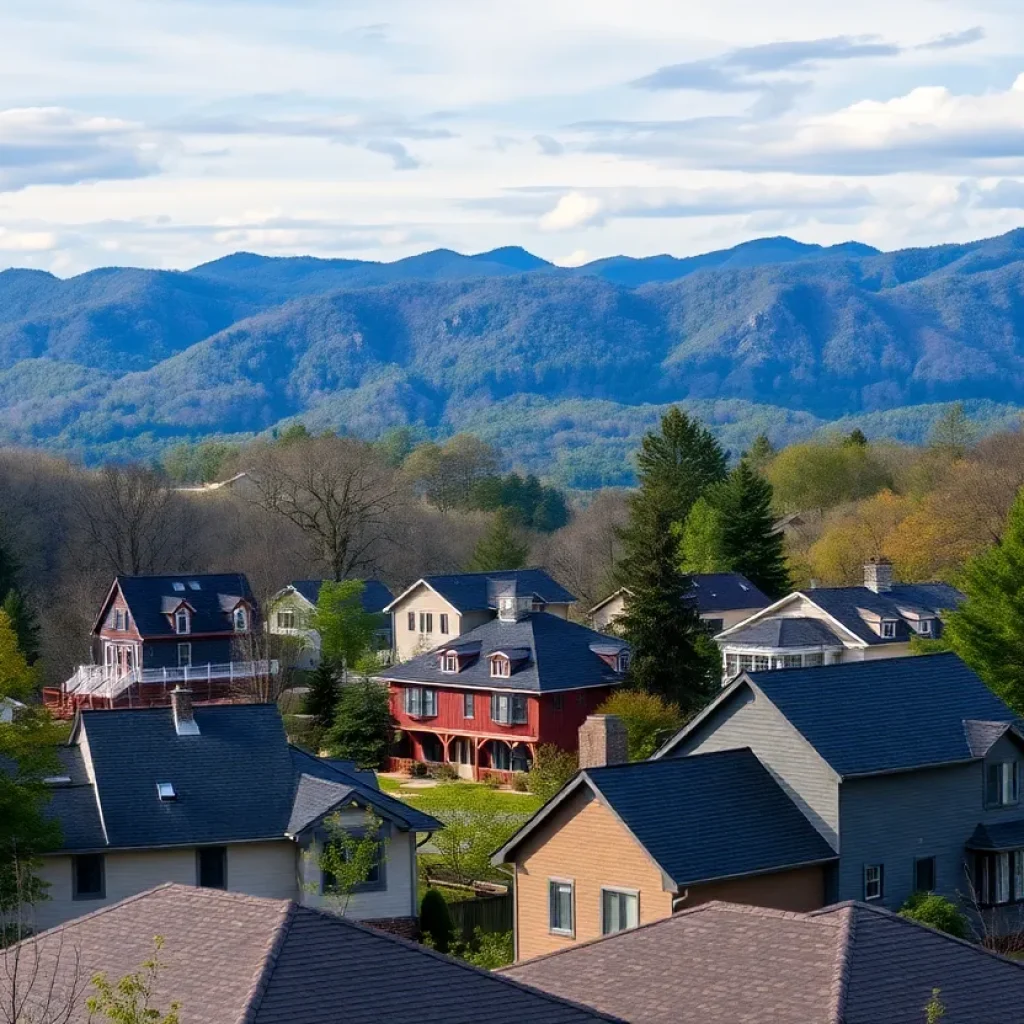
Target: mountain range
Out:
[563,368]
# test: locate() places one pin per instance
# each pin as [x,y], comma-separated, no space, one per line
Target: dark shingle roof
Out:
[469,592]
[376,596]
[238,780]
[726,591]
[892,714]
[785,632]
[234,959]
[710,816]
[554,654]
[722,963]
[1003,835]
[150,597]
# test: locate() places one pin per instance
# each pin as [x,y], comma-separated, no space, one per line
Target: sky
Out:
[166,133]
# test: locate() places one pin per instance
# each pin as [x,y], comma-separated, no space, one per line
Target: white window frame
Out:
[182,616]
[874,882]
[924,627]
[501,667]
[612,890]
[623,662]
[887,629]
[185,649]
[1009,784]
[286,618]
[449,663]
[561,929]
[240,619]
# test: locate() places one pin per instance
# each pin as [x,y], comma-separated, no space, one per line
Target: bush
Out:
[489,950]
[435,921]
[444,772]
[552,769]
[491,781]
[938,912]
[648,718]
[520,783]
[362,726]
[418,770]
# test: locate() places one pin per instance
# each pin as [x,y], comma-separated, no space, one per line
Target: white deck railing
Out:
[101,681]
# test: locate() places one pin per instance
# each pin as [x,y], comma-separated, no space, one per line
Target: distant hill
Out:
[563,367]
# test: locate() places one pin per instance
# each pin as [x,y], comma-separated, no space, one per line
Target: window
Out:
[508,708]
[212,867]
[873,881]
[444,623]
[924,874]
[426,622]
[925,627]
[1001,784]
[420,701]
[619,910]
[127,620]
[501,667]
[165,791]
[241,619]
[374,878]
[762,663]
[412,622]
[181,620]
[999,877]
[449,663]
[501,756]
[286,618]
[88,878]
[732,665]
[118,619]
[178,588]
[623,661]
[888,629]
[194,585]
[467,705]
[813,660]
[556,702]
[714,626]
[184,655]
[560,908]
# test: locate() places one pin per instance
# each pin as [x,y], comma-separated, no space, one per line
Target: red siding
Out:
[561,727]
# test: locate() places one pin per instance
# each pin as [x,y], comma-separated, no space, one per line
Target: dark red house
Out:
[486,700]
[155,632]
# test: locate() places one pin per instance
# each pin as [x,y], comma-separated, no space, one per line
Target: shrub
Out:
[491,781]
[444,772]
[489,950]
[418,770]
[552,769]
[931,909]
[435,921]
[521,783]
[648,718]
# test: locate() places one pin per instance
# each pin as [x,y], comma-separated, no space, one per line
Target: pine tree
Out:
[323,693]
[501,547]
[856,439]
[762,451]
[12,601]
[363,725]
[987,630]
[750,543]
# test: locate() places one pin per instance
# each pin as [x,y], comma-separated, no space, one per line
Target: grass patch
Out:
[470,796]
[389,785]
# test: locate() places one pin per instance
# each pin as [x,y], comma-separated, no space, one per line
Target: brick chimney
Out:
[602,741]
[181,707]
[878,575]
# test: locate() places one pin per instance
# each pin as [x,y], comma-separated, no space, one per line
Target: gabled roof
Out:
[710,816]
[150,599]
[1002,835]
[376,596]
[235,959]
[238,780]
[469,591]
[721,963]
[871,717]
[551,654]
[784,632]
[714,592]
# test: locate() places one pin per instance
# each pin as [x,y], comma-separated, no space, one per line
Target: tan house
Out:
[436,609]
[214,797]
[626,844]
[722,598]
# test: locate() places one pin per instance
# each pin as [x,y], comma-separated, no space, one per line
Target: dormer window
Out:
[241,619]
[449,662]
[501,667]
[925,627]
[623,661]
[181,621]
[888,629]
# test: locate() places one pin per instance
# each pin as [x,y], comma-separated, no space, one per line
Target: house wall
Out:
[800,890]
[450,719]
[608,613]
[561,726]
[749,719]
[303,643]
[408,643]
[731,616]
[163,653]
[585,843]
[258,869]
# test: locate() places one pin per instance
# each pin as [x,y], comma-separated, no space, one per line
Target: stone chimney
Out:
[602,741]
[878,575]
[181,706]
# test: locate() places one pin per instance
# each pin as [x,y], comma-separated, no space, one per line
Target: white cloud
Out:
[27,241]
[573,211]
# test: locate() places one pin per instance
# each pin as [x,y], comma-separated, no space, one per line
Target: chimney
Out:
[878,575]
[181,707]
[602,741]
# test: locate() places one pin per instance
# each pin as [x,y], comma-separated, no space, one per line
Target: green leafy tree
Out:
[821,474]
[363,725]
[552,769]
[436,921]
[347,857]
[346,629]
[953,433]
[937,912]
[130,1001]
[446,474]
[702,539]
[501,547]
[935,1009]
[323,694]
[649,720]
[987,630]
[291,434]
[396,445]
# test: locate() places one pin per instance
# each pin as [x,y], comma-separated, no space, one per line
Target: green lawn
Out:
[467,796]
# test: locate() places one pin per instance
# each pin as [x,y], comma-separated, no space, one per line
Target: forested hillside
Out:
[562,369]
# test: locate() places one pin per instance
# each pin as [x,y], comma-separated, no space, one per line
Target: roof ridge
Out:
[664,760]
[841,968]
[261,982]
[487,572]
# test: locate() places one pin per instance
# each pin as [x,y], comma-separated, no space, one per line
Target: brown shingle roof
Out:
[235,959]
[722,963]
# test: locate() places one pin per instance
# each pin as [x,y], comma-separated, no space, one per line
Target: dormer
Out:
[885,624]
[238,610]
[179,612]
[615,656]
[240,619]
[505,663]
[457,657]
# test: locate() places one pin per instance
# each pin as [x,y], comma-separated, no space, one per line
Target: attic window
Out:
[181,620]
[194,585]
[165,790]
[449,662]
[241,620]
[888,629]
[623,661]
[501,667]
[925,627]
[179,588]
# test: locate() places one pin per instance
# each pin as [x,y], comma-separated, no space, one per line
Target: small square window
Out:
[450,663]
[560,917]
[286,618]
[88,880]
[873,874]
[194,585]
[924,874]
[619,911]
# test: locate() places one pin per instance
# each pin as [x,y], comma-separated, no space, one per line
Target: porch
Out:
[475,758]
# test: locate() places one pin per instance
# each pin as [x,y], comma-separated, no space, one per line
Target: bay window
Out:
[420,701]
[999,877]
[508,708]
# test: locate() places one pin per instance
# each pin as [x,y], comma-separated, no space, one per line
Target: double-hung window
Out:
[444,623]
[426,622]
[1002,783]
[620,910]
[560,917]
[467,705]
[874,881]
[420,701]
[286,618]
[181,620]
[184,655]
[450,663]
[411,618]
[508,708]
[888,629]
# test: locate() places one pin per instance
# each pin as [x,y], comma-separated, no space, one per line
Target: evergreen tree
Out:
[702,539]
[363,725]
[323,693]
[987,630]
[501,547]
[12,601]
[856,439]
[762,451]
[750,543]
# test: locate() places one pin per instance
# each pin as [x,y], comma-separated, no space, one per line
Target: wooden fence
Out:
[488,913]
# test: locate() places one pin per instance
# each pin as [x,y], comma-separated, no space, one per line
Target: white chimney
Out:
[878,575]
[181,706]
[602,741]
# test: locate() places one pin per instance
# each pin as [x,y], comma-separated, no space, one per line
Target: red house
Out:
[488,698]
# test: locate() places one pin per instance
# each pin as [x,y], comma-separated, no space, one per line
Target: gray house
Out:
[909,767]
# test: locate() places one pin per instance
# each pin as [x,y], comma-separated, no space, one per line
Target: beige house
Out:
[436,609]
[723,599]
[215,797]
[627,844]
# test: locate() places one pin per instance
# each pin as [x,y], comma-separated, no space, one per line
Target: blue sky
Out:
[169,132]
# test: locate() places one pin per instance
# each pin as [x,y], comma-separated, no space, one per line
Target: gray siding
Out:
[748,719]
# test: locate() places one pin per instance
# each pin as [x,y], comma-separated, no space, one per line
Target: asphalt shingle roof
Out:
[726,591]
[376,596]
[893,714]
[1003,835]
[234,959]
[553,653]
[469,591]
[149,597]
[709,816]
[722,963]
[785,632]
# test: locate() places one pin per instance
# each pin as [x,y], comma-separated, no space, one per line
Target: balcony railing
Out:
[101,681]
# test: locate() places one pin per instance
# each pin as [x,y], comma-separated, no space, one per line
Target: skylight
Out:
[194,585]
[165,790]
[178,587]
[57,780]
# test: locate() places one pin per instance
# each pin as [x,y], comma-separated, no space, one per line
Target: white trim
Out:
[467,684]
[611,597]
[781,603]
[283,592]
[388,609]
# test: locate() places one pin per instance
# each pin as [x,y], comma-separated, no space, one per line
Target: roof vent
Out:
[194,585]
[165,790]
[57,780]
[178,588]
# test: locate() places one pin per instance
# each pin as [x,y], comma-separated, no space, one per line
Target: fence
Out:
[488,913]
